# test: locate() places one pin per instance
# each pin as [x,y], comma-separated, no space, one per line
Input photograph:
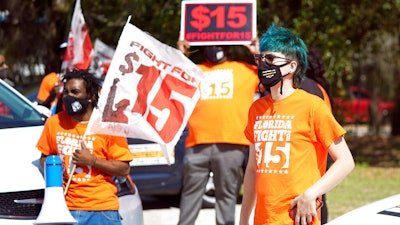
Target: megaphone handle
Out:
[69,179]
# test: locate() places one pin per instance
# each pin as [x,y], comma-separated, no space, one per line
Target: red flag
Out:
[79,50]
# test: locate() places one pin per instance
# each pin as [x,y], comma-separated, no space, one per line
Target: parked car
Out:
[22,183]
[150,171]
[385,211]
[356,108]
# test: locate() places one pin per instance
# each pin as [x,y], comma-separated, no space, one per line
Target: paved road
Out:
[165,211]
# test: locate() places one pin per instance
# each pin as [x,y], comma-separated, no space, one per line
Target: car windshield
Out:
[15,112]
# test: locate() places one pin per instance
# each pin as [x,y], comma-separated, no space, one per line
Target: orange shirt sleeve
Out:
[326,97]
[48,82]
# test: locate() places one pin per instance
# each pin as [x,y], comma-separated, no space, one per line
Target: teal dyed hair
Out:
[280,39]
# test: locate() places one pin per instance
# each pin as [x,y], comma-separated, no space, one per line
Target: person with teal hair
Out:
[280,39]
[291,133]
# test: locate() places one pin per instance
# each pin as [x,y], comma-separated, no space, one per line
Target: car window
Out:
[15,112]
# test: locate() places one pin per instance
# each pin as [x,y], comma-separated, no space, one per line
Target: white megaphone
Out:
[54,209]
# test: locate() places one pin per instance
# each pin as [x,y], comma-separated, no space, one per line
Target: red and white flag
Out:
[102,56]
[149,92]
[79,50]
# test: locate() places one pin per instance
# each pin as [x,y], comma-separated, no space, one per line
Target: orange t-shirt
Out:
[227,92]
[48,82]
[291,137]
[326,97]
[90,188]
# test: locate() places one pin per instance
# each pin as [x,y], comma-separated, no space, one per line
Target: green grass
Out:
[376,175]
[364,185]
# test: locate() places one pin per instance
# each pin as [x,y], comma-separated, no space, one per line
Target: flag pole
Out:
[73,170]
[129,19]
[69,179]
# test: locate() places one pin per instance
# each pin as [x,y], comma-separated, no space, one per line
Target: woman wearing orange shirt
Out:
[291,132]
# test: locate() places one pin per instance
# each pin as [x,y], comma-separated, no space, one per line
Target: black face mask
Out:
[270,74]
[74,105]
[214,54]
[3,73]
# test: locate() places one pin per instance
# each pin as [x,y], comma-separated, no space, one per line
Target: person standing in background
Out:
[4,71]
[49,89]
[316,83]
[4,109]
[215,141]
[49,94]
[316,72]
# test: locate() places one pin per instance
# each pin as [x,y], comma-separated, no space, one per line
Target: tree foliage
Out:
[160,18]
[29,35]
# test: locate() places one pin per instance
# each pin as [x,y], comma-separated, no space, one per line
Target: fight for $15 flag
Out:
[79,49]
[149,92]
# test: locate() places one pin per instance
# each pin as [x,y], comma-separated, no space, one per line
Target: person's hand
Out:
[303,209]
[183,46]
[83,156]
[54,91]
[254,46]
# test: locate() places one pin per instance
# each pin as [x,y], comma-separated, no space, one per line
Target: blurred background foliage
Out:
[359,39]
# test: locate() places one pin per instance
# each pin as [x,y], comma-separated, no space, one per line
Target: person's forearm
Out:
[303,207]
[343,165]
[335,174]
[112,167]
[42,161]
[249,197]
